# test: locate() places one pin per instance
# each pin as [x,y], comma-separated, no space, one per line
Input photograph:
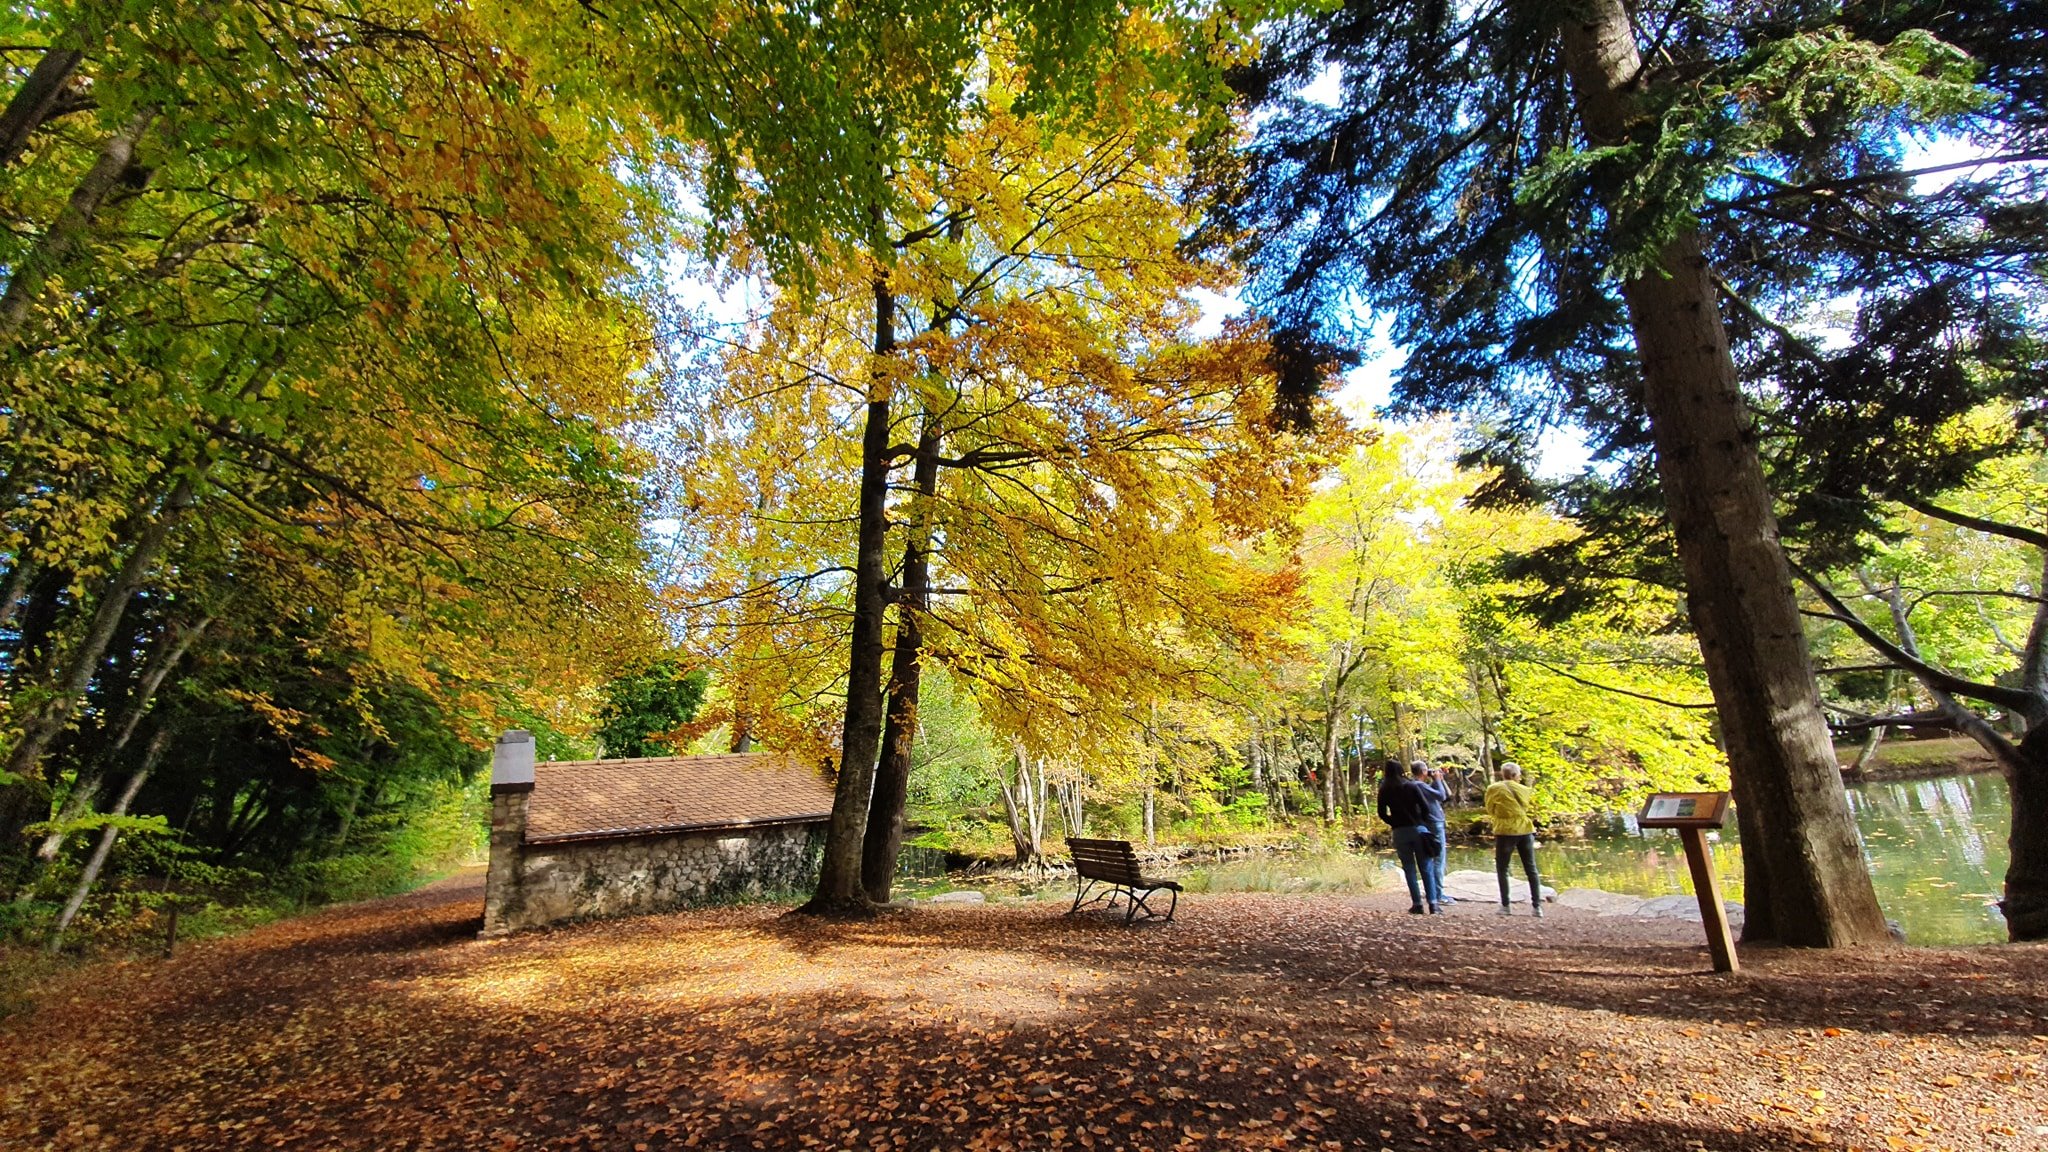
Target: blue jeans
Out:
[1429,888]
[1443,850]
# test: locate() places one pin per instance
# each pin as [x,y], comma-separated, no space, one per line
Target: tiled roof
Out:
[586,799]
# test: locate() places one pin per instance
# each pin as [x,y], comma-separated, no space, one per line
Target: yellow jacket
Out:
[1507,805]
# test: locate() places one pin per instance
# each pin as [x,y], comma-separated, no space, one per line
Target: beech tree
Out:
[340,353]
[1538,199]
[1072,455]
[1420,648]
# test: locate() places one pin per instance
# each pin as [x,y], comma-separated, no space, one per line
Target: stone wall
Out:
[535,884]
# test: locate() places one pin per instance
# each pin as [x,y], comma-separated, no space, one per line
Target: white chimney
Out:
[512,762]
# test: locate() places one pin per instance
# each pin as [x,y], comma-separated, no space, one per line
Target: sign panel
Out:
[1684,810]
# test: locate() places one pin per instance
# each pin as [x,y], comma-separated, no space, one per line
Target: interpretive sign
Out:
[1684,809]
[1692,813]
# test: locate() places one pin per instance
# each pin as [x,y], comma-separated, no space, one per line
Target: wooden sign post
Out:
[1692,813]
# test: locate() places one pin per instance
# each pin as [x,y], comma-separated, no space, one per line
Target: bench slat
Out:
[1113,862]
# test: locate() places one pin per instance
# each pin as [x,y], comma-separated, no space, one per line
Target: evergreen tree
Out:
[1557,204]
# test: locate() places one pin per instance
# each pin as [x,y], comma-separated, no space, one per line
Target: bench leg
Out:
[1081,887]
[1145,902]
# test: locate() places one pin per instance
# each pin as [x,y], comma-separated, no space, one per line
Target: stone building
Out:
[614,837]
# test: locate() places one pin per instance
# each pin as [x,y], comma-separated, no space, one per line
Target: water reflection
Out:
[1937,853]
[1936,848]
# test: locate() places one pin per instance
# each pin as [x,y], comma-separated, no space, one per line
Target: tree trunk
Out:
[1020,840]
[1073,813]
[41,727]
[1330,731]
[2026,877]
[839,879]
[1402,740]
[86,791]
[1738,586]
[117,152]
[1151,796]
[1486,762]
[348,819]
[1024,803]
[2025,765]
[2034,659]
[15,589]
[883,841]
[35,100]
[108,835]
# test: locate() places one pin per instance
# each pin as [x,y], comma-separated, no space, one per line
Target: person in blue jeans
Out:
[1404,804]
[1439,793]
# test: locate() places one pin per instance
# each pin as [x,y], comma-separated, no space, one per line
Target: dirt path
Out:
[1254,1022]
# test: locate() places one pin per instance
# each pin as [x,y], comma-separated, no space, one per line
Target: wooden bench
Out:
[1112,864]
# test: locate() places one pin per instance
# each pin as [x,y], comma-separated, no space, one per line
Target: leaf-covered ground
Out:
[1253,1022]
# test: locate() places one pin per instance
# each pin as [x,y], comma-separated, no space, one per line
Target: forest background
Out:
[360,405]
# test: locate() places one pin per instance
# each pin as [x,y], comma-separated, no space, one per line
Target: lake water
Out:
[1937,851]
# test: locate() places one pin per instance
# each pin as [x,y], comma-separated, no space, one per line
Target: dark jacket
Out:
[1407,803]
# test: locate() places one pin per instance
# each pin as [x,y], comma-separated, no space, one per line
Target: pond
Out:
[1937,851]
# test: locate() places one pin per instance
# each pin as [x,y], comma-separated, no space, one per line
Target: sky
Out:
[1367,389]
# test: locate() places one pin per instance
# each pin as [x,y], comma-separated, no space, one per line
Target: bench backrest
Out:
[1110,860]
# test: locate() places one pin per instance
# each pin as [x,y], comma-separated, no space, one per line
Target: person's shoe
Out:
[1436,910]
[1539,911]
[1506,911]
[1415,911]
[1447,901]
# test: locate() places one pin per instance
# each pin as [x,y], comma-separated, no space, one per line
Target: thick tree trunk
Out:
[2026,877]
[1738,585]
[2034,659]
[839,880]
[117,152]
[108,835]
[35,100]
[883,841]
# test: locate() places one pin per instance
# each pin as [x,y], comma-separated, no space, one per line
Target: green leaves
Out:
[641,709]
[799,118]
[1732,116]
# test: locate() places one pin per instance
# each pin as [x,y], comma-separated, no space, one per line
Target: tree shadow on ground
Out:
[1267,1023]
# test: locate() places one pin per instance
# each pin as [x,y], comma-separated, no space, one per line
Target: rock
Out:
[1684,908]
[1601,902]
[1471,884]
[961,897]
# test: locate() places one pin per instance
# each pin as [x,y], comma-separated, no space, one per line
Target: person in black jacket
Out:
[1405,804]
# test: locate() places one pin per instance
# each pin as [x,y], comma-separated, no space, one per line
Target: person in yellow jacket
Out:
[1514,831]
